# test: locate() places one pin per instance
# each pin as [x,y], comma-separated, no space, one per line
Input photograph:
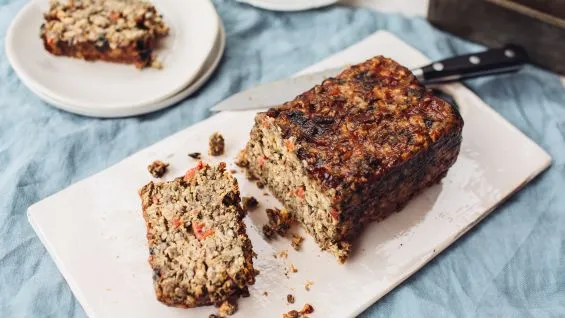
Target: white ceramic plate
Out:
[289,5]
[107,88]
[95,232]
[207,71]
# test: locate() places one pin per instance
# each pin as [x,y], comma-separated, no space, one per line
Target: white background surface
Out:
[102,251]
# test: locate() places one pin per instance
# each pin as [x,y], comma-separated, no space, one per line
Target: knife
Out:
[508,59]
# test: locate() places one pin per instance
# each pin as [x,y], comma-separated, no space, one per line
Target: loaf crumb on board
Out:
[250,176]
[157,168]
[296,242]
[194,155]
[241,159]
[216,144]
[279,220]
[291,314]
[268,232]
[279,223]
[290,298]
[292,268]
[307,309]
[228,308]
[249,203]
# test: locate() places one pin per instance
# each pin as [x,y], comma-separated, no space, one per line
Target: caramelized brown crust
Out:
[355,127]
[138,53]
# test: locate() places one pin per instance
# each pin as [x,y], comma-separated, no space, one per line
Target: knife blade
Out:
[507,59]
[274,93]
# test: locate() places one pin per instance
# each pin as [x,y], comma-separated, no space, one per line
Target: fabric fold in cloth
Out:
[510,265]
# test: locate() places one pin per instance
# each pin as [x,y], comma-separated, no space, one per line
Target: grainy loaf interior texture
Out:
[199,251]
[354,149]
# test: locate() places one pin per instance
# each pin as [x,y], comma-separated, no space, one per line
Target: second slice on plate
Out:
[122,31]
[109,30]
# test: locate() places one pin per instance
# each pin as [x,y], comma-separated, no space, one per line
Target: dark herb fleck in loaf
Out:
[198,248]
[354,149]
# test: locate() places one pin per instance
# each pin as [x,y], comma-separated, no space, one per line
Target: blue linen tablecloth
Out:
[510,265]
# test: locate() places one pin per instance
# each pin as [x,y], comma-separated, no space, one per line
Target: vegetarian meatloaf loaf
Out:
[354,149]
[122,31]
[198,248]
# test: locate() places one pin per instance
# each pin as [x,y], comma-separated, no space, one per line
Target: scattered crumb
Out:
[228,308]
[268,232]
[213,316]
[233,171]
[265,293]
[292,268]
[283,254]
[400,244]
[265,194]
[296,241]
[241,159]
[260,185]
[279,220]
[157,64]
[308,285]
[194,155]
[307,309]
[279,223]
[157,168]
[216,144]
[249,203]
[257,272]
[250,176]
[290,298]
[291,314]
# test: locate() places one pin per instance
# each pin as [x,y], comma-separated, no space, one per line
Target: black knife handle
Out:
[510,58]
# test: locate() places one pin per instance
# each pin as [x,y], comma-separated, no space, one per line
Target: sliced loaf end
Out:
[198,247]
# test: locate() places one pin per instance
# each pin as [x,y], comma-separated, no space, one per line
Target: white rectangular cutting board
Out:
[96,235]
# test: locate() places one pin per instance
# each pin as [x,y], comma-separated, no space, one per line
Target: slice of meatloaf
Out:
[121,31]
[354,149]
[198,248]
